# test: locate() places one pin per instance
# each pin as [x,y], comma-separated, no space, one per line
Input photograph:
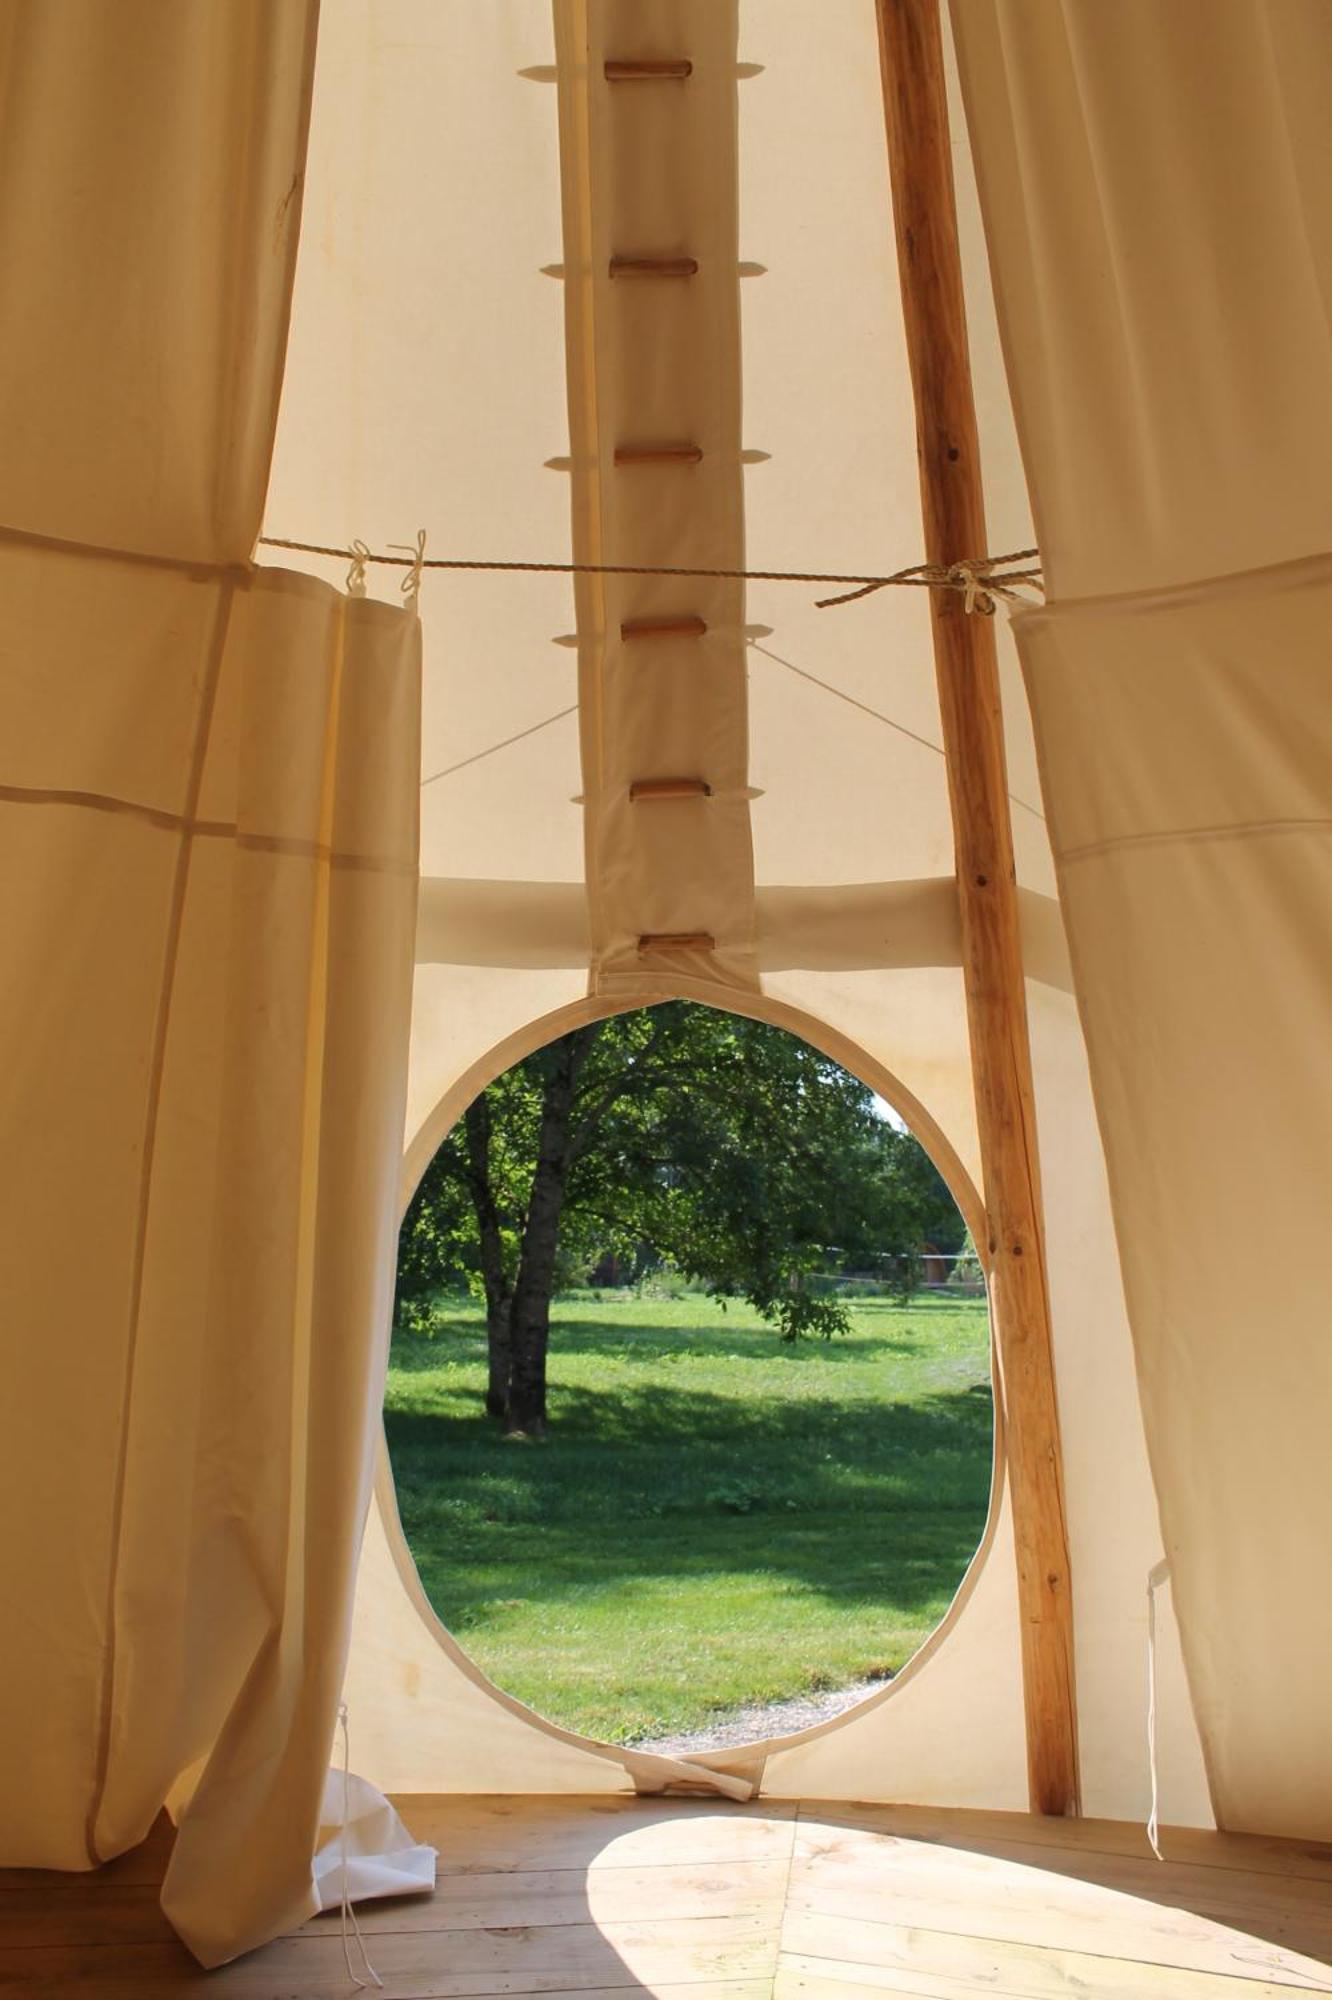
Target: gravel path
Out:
[758,1721]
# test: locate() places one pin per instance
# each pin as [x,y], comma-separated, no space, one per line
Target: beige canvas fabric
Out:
[1157,195]
[655,361]
[1193,905]
[208,813]
[462,361]
[1155,186]
[209,1082]
[150,178]
[455,413]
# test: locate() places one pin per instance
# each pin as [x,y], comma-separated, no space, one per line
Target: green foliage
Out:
[438,1246]
[724,1519]
[705,1149]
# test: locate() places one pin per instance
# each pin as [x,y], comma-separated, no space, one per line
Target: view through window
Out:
[689,1399]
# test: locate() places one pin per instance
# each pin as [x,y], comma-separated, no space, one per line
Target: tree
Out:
[680,1134]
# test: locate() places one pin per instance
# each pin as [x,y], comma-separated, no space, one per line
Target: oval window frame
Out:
[740,1763]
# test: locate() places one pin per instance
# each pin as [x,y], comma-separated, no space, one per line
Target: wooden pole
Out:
[925,216]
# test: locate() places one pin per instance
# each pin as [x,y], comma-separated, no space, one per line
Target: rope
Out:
[980,580]
[1155,1578]
[372,1977]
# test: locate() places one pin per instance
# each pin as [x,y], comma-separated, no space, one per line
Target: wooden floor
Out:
[712,1901]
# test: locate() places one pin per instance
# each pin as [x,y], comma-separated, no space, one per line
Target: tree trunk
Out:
[529,1311]
[499,1356]
[476,1123]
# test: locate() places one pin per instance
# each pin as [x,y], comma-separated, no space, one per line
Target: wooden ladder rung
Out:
[648,69]
[653,267]
[689,626]
[670,788]
[677,941]
[658,454]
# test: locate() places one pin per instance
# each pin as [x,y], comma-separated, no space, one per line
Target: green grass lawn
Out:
[715,1518]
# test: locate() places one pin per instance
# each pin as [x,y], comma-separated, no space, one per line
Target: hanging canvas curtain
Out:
[208,807]
[1161,232]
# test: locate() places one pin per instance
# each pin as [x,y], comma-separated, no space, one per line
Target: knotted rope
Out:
[980,580]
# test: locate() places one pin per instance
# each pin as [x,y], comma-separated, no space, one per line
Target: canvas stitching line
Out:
[203,829]
[1258,829]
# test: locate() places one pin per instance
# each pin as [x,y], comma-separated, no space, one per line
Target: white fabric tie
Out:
[348,1913]
[411,583]
[360,556]
[1155,1578]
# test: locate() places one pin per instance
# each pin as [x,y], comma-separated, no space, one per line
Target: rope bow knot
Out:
[966,577]
[360,556]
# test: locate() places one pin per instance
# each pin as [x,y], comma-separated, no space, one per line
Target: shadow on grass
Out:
[660,1416]
[704,1506]
[914,1567]
[875,1502]
[643,1341]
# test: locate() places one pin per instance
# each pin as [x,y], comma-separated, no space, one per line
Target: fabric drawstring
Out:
[1155,1578]
[348,1913]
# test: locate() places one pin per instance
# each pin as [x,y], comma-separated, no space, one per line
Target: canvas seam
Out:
[1258,829]
[161,819]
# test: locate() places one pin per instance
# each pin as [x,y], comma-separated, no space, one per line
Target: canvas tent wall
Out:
[822,863]
[1154,183]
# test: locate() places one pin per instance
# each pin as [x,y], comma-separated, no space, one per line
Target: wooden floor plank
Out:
[712,1900]
[1126,1949]
[966,1969]
[98,1913]
[102,1914]
[1197,1846]
[1130,1902]
[1237,1890]
[573,1896]
[815,1979]
[420,1965]
[489,1835]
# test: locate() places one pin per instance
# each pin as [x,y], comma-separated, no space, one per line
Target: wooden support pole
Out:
[925,215]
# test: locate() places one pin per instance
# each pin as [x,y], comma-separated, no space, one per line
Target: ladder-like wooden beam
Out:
[652,789]
[925,215]
[653,267]
[668,625]
[652,941]
[648,69]
[658,454]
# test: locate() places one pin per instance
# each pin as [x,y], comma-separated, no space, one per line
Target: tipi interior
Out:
[433,429]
